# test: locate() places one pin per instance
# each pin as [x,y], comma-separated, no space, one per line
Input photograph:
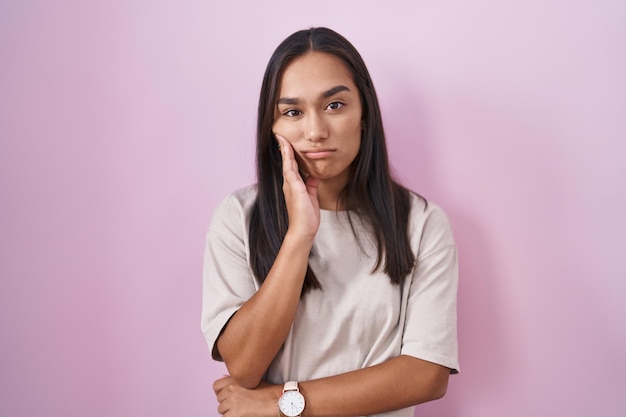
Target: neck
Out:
[328,195]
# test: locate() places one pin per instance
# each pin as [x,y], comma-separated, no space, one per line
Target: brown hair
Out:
[371,192]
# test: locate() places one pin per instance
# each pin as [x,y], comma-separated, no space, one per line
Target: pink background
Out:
[123,123]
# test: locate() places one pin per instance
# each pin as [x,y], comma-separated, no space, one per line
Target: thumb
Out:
[312,185]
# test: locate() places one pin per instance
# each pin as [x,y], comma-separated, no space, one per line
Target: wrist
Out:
[299,239]
[291,402]
[271,395]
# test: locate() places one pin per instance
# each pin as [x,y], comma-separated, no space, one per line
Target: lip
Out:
[321,153]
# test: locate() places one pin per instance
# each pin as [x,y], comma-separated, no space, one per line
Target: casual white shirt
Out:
[358,318]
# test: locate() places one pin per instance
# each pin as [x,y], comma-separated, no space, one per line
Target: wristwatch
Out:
[291,402]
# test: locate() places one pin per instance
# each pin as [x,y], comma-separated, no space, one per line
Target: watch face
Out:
[291,403]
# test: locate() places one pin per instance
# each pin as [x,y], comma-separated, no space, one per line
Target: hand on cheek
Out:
[300,196]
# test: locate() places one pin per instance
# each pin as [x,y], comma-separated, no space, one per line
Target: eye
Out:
[292,113]
[335,105]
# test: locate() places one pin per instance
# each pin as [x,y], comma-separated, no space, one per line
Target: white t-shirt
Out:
[358,318]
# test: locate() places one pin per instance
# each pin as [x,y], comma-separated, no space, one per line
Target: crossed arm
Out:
[254,335]
[397,383]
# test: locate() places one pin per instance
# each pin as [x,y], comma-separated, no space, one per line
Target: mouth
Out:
[321,153]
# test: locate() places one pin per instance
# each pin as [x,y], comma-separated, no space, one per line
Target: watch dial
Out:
[291,403]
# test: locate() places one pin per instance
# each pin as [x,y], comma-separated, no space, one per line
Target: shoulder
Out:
[239,200]
[430,228]
[234,209]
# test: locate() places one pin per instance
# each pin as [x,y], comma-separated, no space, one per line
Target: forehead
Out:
[312,73]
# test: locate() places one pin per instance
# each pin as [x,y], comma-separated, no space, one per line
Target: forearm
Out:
[256,332]
[397,383]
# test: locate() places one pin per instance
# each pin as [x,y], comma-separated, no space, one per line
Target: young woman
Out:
[329,289]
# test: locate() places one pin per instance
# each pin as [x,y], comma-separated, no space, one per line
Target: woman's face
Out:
[319,112]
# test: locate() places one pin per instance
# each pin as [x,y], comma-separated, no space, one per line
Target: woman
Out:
[329,289]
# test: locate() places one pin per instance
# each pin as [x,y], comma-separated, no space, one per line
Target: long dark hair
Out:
[371,192]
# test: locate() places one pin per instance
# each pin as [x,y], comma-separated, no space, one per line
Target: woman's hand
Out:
[236,401]
[300,196]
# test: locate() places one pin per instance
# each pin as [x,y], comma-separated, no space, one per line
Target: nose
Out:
[315,128]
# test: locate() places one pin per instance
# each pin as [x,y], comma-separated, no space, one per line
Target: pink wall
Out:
[122,123]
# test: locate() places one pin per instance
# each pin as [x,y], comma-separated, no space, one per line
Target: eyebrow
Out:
[326,94]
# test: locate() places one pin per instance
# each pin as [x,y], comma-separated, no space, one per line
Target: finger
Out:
[279,139]
[222,395]
[222,383]
[222,409]
[289,161]
[291,174]
[284,151]
[312,185]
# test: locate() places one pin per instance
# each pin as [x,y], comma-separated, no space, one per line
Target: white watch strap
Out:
[291,386]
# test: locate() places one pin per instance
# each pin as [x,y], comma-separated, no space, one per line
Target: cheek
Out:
[353,131]
[286,130]
[278,127]
[356,141]
[352,125]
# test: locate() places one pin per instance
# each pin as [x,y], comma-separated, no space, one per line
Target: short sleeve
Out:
[430,331]
[227,279]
